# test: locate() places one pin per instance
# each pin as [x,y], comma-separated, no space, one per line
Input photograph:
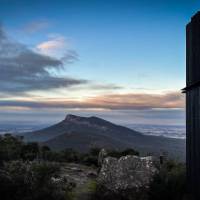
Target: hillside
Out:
[82,133]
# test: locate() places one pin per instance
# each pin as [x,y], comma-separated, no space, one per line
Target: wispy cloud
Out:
[57,45]
[58,42]
[171,100]
[139,101]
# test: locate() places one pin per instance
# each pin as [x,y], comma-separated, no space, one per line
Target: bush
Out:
[30,181]
[94,151]
[130,152]
[30,151]
[169,183]
[69,155]
[10,147]
[118,154]
[91,158]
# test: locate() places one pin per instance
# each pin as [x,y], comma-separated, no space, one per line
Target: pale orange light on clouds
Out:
[139,101]
[170,100]
[52,45]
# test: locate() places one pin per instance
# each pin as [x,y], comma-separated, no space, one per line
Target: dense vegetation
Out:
[169,183]
[14,148]
[29,171]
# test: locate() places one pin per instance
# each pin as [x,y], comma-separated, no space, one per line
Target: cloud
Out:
[54,43]
[105,87]
[140,101]
[171,100]
[57,45]
[95,86]
[23,70]
[36,26]
[69,56]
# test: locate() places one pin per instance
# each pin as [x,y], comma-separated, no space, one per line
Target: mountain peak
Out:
[94,117]
[71,117]
[75,118]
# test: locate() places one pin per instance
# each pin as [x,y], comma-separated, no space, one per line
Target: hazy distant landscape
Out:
[171,131]
[84,133]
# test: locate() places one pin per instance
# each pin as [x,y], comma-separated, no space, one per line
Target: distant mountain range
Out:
[83,133]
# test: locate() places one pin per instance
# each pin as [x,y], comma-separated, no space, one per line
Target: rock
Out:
[92,174]
[128,173]
[102,154]
[64,181]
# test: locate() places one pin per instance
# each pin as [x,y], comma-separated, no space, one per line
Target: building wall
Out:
[193,50]
[193,104]
[193,140]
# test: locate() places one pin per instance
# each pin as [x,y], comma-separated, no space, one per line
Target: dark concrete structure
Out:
[192,91]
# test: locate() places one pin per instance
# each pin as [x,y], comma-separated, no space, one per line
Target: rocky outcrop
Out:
[129,173]
[102,155]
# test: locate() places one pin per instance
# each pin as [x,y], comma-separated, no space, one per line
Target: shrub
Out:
[30,151]
[130,152]
[30,181]
[118,154]
[169,183]
[69,155]
[90,160]
[10,147]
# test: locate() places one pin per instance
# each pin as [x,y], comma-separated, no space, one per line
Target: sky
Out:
[117,59]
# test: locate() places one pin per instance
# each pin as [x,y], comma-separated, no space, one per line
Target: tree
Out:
[30,151]
[10,147]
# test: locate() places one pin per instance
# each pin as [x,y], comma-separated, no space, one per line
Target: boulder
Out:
[102,154]
[128,173]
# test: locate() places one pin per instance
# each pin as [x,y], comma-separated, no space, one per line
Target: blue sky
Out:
[132,52]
